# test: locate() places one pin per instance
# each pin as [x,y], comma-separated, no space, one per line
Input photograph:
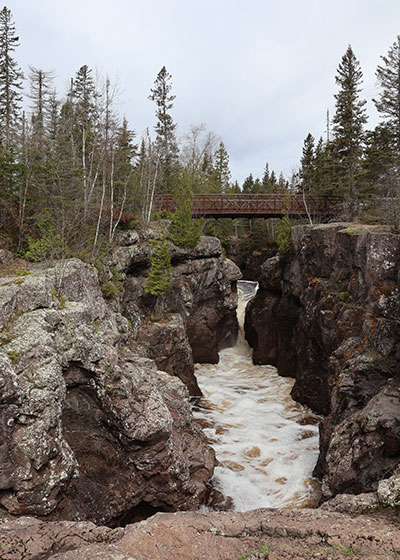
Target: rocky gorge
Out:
[328,315]
[92,428]
[97,427]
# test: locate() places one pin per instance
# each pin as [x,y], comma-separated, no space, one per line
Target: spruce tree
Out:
[349,120]
[222,174]
[378,169]
[11,167]
[166,143]
[10,80]
[307,164]
[388,103]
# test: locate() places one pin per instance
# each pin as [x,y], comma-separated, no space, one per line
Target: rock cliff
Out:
[199,312]
[91,428]
[329,315]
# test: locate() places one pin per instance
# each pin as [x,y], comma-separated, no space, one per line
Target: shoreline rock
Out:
[264,533]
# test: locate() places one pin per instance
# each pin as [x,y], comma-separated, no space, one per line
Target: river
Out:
[266,443]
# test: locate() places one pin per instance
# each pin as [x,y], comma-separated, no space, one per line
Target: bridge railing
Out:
[242,204]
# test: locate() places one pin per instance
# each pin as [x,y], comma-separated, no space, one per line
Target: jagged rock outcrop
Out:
[329,315]
[89,430]
[258,534]
[199,312]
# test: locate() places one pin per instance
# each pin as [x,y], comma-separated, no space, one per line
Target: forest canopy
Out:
[72,169]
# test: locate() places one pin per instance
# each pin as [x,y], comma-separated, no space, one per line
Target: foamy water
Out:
[266,443]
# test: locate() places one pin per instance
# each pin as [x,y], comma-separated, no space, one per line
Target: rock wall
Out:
[197,315]
[329,315]
[91,428]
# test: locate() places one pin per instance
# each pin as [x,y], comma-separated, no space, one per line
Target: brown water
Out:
[266,443]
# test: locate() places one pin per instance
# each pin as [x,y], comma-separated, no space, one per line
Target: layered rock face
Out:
[197,315]
[329,315]
[90,430]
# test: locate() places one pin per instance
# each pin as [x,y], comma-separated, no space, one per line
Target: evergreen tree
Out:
[257,187]
[165,130]
[379,170]
[265,181]
[158,281]
[349,120]
[248,184]
[325,168]
[41,92]
[235,187]
[222,174]
[185,232]
[273,182]
[283,185]
[268,182]
[10,80]
[388,103]
[86,131]
[307,164]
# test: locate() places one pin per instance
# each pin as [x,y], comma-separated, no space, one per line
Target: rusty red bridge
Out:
[240,205]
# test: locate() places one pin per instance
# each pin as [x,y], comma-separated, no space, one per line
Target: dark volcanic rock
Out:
[329,316]
[166,342]
[89,429]
[204,295]
[365,446]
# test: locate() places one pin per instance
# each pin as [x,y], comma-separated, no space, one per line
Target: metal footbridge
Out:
[241,205]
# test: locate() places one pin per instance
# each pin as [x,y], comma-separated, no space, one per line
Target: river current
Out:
[266,443]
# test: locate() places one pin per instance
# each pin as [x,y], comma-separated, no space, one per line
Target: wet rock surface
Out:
[90,430]
[257,534]
[328,315]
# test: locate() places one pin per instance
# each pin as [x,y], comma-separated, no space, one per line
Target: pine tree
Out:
[158,281]
[349,120]
[165,130]
[388,103]
[10,80]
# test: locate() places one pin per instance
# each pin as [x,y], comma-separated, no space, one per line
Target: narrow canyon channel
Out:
[266,443]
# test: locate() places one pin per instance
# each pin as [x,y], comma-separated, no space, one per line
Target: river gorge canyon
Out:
[109,403]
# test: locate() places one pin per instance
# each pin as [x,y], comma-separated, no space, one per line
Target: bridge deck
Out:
[237,205]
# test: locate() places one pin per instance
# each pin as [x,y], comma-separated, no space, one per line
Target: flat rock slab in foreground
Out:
[263,533]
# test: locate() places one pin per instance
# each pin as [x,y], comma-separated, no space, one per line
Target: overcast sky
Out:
[258,73]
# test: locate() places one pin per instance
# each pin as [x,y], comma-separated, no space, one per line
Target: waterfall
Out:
[266,444]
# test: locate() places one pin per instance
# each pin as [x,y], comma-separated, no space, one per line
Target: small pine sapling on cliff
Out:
[158,281]
[185,232]
[282,232]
